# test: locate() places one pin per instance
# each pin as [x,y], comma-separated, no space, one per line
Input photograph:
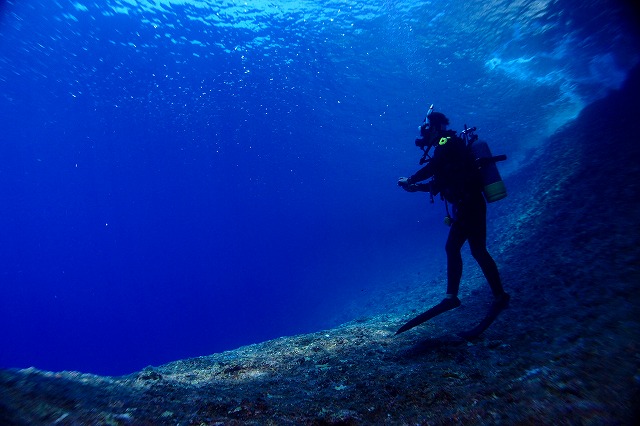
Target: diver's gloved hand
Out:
[403,182]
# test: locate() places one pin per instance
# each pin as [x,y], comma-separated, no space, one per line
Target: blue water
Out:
[184,177]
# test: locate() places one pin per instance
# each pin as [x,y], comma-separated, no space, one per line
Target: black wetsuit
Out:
[456,177]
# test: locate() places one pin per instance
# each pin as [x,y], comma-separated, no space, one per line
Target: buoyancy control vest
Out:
[455,175]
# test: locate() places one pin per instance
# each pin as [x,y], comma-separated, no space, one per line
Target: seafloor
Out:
[565,352]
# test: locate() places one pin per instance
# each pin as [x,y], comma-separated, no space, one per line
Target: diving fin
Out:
[497,306]
[442,307]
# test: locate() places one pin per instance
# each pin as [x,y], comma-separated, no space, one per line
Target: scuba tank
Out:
[493,186]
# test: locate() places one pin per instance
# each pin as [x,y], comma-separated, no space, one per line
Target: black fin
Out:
[442,307]
[497,306]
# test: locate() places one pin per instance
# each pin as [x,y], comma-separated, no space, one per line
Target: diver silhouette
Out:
[454,173]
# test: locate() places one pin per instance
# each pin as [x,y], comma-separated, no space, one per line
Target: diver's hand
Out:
[403,182]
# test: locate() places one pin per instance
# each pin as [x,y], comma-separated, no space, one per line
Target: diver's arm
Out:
[423,174]
[411,184]
[413,187]
[422,187]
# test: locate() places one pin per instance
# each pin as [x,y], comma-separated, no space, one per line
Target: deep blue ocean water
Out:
[180,178]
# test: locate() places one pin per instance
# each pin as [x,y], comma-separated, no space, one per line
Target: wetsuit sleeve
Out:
[422,187]
[424,173]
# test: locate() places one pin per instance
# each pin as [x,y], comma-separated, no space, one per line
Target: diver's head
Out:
[431,132]
[438,121]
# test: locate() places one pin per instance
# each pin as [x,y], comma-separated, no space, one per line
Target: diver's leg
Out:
[453,246]
[487,264]
[477,235]
[477,243]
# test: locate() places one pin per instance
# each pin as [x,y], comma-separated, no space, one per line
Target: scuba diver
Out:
[455,172]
